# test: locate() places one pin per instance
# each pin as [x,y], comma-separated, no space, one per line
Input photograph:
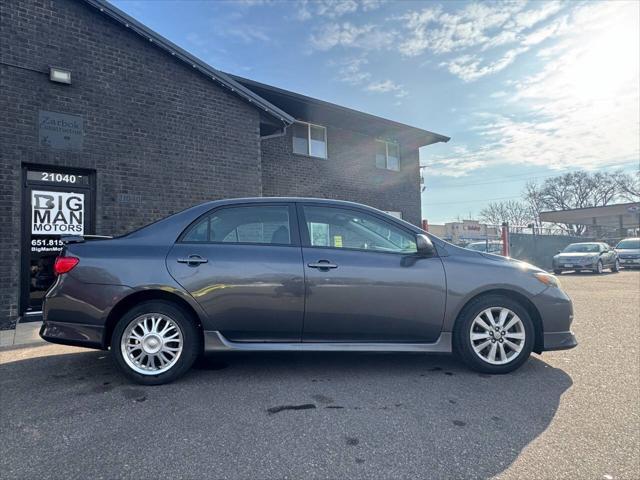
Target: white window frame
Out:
[308,154]
[386,154]
[394,213]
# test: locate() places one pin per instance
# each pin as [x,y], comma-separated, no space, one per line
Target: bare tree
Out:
[512,212]
[574,190]
[629,185]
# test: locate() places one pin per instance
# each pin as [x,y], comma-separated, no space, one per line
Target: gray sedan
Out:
[295,274]
[586,256]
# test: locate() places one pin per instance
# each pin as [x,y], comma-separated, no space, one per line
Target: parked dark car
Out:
[267,274]
[586,256]
[488,246]
[628,251]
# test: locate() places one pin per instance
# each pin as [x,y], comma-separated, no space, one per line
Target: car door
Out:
[243,265]
[364,280]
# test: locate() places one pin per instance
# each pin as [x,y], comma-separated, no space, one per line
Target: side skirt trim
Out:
[214,341]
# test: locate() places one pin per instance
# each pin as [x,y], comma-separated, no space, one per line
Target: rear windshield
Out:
[583,248]
[631,243]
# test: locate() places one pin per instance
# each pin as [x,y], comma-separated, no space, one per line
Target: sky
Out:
[525,90]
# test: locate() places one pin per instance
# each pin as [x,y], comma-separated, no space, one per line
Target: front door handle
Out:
[322,264]
[193,260]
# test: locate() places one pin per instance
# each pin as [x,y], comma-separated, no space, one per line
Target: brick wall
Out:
[349,173]
[153,127]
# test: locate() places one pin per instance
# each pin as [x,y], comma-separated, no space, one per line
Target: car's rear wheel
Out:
[494,334]
[155,342]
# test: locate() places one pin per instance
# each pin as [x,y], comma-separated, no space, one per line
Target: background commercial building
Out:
[107,126]
[465,231]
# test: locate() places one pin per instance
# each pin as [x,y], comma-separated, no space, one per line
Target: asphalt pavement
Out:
[68,413]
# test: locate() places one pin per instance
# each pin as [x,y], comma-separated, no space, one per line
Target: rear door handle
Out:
[322,264]
[193,260]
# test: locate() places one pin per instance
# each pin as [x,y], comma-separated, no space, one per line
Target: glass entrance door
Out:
[56,202]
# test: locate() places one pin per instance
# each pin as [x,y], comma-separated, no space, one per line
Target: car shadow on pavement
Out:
[312,414]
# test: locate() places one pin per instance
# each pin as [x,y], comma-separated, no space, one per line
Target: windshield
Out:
[478,247]
[583,248]
[629,243]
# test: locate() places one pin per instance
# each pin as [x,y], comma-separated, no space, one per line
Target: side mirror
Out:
[424,245]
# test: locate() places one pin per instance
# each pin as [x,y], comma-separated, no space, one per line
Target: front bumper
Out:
[74,334]
[556,313]
[559,341]
[564,267]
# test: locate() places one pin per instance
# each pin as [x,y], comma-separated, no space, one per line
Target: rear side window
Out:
[263,224]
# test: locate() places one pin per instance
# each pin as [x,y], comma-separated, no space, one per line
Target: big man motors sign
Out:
[57,213]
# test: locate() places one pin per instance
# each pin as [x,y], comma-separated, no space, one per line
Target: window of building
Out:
[387,155]
[345,228]
[309,139]
[394,213]
[246,224]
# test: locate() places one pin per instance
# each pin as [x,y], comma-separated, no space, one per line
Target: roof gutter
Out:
[216,75]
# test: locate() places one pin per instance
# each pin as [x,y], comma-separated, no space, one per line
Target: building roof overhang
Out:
[278,107]
[609,215]
[312,110]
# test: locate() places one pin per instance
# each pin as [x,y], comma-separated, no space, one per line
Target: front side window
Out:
[387,155]
[267,224]
[310,140]
[346,228]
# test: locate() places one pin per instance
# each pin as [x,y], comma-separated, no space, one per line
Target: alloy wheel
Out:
[151,344]
[497,335]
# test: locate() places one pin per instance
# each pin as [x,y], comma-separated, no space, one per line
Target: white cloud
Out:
[475,29]
[475,25]
[459,164]
[580,110]
[387,86]
[366,37]
[528,18]
[310,9]
[351,71]
[470,67]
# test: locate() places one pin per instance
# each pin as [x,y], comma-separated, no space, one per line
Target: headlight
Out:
[548,279]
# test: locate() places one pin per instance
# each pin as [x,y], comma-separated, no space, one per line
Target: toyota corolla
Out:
[295,274]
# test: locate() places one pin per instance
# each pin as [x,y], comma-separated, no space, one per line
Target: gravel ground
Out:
[67,413]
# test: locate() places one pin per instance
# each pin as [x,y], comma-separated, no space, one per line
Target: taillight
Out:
[64,264]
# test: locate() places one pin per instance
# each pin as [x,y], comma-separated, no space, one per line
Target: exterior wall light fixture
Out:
[60,75]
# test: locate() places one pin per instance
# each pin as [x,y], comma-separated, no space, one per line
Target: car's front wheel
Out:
[616,266]
[494,334]
[599,267]
[155,342]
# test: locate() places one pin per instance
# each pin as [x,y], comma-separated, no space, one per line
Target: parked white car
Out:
[629,252]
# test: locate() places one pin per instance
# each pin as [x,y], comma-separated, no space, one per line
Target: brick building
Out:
[107,126]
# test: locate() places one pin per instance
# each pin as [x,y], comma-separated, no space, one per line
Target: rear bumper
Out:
[559,341]
[74,334]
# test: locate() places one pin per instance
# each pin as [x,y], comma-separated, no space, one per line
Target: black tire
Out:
[557,272]
[616,266]
[462,334]
[191,341]
[599,268]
